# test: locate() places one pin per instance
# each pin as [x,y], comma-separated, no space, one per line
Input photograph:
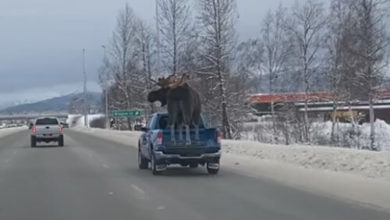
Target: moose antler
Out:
[179,81]
[166,82]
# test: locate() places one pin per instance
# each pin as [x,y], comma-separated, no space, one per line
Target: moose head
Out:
[161,94]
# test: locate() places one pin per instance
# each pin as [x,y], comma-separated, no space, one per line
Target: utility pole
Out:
[158,39]
[105,89]
[85,92]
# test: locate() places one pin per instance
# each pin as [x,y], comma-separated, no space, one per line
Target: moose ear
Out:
[184,79]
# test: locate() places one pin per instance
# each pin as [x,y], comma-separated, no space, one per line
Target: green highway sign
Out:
[125,113]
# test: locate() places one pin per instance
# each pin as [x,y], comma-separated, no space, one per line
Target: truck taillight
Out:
[34,129]
[160,138]
[219,137]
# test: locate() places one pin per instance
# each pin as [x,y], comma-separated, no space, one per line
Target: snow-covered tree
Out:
[174,23]
[306,25]
[338,61]
[370,49]
[217,21]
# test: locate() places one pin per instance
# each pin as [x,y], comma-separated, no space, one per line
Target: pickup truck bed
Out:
[156,147]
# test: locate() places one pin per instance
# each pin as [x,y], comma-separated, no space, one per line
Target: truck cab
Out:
[155,147]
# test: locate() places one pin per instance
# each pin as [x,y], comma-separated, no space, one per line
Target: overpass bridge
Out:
[27,117]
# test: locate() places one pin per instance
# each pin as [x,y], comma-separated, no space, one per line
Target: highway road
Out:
[92,179]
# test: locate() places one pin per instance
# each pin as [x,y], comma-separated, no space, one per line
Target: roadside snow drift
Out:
[78,120]
[8,131]
[357,162]
[320,133]
[350,174]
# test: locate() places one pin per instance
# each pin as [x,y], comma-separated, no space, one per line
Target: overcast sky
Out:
[41,41]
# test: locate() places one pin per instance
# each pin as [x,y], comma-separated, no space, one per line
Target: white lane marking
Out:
[137,189]
[161,208]
[111,193]
[105,165]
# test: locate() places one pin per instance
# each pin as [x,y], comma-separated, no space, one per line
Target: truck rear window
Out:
[46,121]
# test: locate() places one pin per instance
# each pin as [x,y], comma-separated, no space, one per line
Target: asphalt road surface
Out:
[91,179]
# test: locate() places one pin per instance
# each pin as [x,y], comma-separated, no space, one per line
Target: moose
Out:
[184,106]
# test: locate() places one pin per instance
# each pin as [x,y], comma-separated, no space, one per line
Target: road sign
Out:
[125,113]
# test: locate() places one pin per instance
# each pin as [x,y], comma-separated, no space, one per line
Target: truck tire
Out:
[153,163]
[142,161]
[213,170]
[61,141]
[33,141]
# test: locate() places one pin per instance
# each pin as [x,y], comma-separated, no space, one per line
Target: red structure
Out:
[290,97]
[320,103]
[300,97]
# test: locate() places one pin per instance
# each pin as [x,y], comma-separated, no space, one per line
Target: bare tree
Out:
[277,50]
[370,50]
[123,60]
[338,34]
[217,19]
[306,25]
[174,24]
[146,51]
[249,60]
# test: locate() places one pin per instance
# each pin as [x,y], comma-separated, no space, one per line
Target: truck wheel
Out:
[61,141]
[142,161]
[33,141]
[212,168]
[154,166]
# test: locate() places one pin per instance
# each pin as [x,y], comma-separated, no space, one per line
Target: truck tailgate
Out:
[47,129]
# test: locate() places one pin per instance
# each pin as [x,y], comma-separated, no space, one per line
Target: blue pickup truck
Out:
[155,146]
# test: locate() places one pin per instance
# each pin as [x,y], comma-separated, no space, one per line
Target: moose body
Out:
[184,106]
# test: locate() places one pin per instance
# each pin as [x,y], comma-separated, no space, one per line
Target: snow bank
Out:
[352,161]
[78,120]
[8,131]
[358,137]
[320,134]
[342,160]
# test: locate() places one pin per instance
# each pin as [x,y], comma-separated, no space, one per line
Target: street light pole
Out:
[158,38]
[85,92]
[105,89]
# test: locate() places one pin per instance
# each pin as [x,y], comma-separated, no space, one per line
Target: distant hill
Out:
[58,104]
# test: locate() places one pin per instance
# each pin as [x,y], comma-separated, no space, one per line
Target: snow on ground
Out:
[357,162]
[8,131]
[337,172]
[78,120]
[320,134]
[361,139]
